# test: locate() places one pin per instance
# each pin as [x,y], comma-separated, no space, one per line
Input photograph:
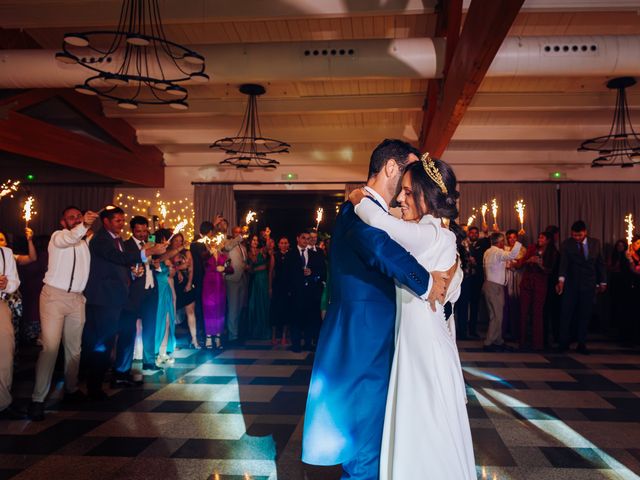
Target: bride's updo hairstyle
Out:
[435,181]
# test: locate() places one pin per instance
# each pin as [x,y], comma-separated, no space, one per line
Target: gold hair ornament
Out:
[433,172]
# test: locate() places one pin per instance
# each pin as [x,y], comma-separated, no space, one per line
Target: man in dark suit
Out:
[198,255]
[107,292]
[473,282]
[142,304]
[309,275]
[581,275]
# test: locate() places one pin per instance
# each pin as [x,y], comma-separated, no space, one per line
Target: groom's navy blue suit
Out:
[348,391]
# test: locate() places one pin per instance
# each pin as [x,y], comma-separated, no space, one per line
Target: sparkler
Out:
[630,228]
[520,211]
[163,211]
[470,220]
[484,209]
[178,228]
[494,212]
[8,187]
[319,215]
[251,217]
[27,209]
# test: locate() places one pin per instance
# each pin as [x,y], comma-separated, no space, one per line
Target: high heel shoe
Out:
[208,343]
[218,342]
[194,345]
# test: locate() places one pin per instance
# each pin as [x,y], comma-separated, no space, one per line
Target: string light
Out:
[148,207]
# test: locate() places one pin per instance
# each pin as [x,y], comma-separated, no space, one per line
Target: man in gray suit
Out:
[236,283]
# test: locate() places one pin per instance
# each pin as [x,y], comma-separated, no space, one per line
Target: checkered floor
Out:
[238,415]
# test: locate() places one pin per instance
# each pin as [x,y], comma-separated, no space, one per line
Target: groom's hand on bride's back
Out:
[438,288]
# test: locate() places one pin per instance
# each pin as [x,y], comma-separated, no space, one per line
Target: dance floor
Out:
[238,415]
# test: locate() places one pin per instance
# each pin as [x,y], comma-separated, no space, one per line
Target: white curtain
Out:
[212,199]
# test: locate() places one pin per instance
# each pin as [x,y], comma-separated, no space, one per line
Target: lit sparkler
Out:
[630,228]
[179,227]
[520,211]
[494,211]
[319,215]
[251,217]
[470,220]
[27,209]
[484,209]
[8,187]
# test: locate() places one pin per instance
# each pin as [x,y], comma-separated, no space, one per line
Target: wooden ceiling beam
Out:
[23,135]
[485,28]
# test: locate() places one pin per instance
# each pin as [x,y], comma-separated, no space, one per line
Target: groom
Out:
[348,391]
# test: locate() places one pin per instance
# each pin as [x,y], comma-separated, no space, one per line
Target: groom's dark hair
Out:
[388,149]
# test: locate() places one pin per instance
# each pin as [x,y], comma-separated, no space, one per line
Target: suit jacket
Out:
[238,258]
[199,256]
[110,271]
[350,378]
[581,273]
[137,292]
[476,250]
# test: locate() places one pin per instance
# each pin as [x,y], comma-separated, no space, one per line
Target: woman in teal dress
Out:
[166,314]
[258,324]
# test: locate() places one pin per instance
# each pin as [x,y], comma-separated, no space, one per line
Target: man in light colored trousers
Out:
[495,267]
[236,283]
[62,307]
[9,283]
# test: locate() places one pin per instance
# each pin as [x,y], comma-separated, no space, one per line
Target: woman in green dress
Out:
[258,324]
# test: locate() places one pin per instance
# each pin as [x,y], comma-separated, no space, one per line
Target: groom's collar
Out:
[378,198]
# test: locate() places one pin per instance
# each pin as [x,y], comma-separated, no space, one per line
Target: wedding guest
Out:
[280,291]
[9,283]
[236,283]
[621,290]
[462,304]
[107,292]
[581,275]
[198,252]
[552,302]
[214,294]
[142,304]
[62,307]
[477,247]
[512,297]
[32,276]
[537,265]
[495,265]
[183,281]
[258,302]
[21,259]
[165,342]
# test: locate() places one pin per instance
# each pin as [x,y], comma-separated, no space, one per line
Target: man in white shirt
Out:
[236,284]
[9,283]
[495,265]
[62,307]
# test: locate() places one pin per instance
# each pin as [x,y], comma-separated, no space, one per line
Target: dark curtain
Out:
[210,200]
[602,206]
[541,205]
[50,200]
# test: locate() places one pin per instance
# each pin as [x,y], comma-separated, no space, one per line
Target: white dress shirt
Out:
[495,263]
[149,282]
[8,268]
[62,272]
[378,198]
[304,252]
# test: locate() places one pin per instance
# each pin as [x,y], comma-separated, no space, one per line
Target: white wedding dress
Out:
[426,426]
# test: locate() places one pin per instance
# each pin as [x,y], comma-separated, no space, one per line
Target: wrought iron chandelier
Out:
[621,148]
[134,64]
[249,149]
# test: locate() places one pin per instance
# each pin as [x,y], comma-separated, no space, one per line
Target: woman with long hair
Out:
[214,293]
[166,312]
[258,306]
[183,282]
[426,426]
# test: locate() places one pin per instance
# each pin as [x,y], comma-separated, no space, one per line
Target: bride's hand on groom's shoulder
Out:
[357,195]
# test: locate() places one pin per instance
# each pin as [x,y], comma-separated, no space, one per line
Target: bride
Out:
[426,427]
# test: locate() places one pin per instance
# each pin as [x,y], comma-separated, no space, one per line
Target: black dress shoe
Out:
[36,411]
[151,368]
[582,348]
[12,413]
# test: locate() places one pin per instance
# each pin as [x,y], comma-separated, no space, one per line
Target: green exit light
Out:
[289,176]
[556,175]
[31,177]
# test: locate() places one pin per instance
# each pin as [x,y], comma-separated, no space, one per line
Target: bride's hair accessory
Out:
[433,172]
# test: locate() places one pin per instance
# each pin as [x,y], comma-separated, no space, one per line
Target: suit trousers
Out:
[7,349]
[494,298]
[462,309]
[62,319]
[475,297]
[98,339]
[577,305]
[236,303]
[306,318]
[533,291]
[127,333]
